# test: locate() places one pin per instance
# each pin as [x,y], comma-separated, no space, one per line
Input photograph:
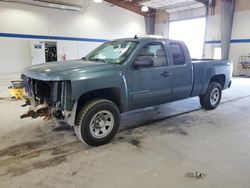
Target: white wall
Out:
[241,30]
[213,30]
[100,21]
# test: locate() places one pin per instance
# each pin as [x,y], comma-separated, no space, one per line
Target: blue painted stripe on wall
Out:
[240,41]
[232,41]
[212,42]
[26,36]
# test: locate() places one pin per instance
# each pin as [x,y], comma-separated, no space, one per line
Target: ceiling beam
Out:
[132,6]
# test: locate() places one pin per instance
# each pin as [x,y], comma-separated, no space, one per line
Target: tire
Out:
[97,122]
[212,97]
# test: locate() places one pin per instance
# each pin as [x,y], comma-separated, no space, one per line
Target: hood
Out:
[64,70]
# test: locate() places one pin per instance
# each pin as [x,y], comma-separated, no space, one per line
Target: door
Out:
[37,52]
[181,70]
[150,85]
[50,51]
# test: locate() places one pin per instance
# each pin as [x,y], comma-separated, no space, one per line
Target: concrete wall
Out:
[162,23]
[240,44]
[100,21]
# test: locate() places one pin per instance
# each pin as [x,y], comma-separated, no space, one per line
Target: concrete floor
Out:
[156,147]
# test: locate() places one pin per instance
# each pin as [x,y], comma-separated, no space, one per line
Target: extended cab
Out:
[119,76]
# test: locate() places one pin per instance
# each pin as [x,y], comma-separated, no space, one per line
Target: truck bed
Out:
[203,69]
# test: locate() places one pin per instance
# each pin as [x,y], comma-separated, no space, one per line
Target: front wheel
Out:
[97,122]
[212,97]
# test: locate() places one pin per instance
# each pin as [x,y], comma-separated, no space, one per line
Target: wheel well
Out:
[112,94]
[220,79]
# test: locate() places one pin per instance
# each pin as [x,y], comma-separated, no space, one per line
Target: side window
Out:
[156,52]
[177,54]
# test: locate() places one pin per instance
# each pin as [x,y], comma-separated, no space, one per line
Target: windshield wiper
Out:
[98,60]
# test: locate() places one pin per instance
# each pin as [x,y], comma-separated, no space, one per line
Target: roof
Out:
[144,39]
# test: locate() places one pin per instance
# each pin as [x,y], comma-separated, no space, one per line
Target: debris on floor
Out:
[195,174]
[18,157]
[135,143]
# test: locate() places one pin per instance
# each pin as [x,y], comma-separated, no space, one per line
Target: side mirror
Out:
[143,61]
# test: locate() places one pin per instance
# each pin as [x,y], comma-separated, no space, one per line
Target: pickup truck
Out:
[120,76]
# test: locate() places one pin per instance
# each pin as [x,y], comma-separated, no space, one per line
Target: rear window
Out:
[177,54]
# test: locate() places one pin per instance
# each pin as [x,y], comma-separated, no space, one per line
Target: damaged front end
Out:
[48,99]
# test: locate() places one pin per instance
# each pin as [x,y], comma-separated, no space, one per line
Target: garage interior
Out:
[178,144]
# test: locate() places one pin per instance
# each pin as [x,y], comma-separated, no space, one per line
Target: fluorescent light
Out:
[144,9]
[98,1]
[65,7]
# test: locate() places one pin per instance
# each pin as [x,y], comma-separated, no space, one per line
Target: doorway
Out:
[192,32]
[50,51]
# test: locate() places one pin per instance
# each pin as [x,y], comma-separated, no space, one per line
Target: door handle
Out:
[166,74]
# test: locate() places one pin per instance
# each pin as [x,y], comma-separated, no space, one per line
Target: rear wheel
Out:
[97,122]
[212,97]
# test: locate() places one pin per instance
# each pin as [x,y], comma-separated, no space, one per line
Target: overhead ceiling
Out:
[170,6]
[132,5]
[174,5]
[76,2]
[76,5]
[70,5]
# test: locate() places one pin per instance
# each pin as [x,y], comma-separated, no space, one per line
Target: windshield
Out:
[112,52]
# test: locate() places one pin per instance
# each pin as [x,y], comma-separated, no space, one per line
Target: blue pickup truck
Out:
[120,76]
